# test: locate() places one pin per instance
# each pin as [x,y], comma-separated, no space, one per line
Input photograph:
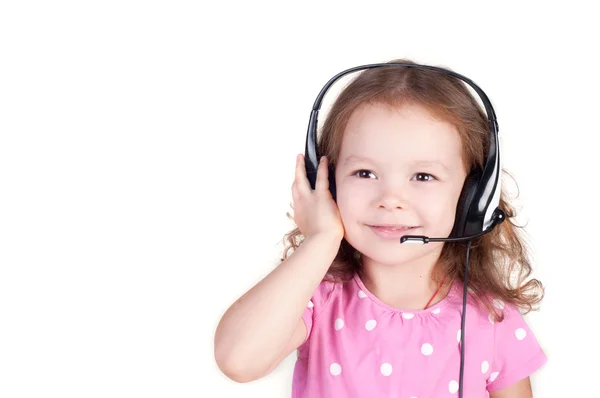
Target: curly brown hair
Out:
[499,262]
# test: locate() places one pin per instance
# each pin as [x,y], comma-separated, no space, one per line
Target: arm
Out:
[520,389]
[265,325]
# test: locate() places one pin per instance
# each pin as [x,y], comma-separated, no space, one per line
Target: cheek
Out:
[354,204]
[350,206]
[435,209]
[443,212]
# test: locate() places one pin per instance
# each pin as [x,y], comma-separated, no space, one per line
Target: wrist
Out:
[324,241]
[326,236]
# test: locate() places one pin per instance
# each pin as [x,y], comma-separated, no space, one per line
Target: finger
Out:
[322,183]
[295,193]
[301,181]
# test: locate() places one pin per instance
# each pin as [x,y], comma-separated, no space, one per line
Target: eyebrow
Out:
[354,158]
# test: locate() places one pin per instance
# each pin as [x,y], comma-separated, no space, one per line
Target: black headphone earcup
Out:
[331,177]
[464,204]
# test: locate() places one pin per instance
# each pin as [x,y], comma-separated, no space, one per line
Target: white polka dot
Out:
[339,323]
[485,366]
[335,369]
[499,304]
[493,376]
[361,294]
[520,333]
[458,336]
[386,369]
[436,311]
[407,315]
[453,386]
[310,304]
[491,319]
[427,349]
[370,325]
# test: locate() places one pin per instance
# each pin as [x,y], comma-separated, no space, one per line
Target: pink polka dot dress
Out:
[358,346]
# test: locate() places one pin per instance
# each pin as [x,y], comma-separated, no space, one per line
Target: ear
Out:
[464,203]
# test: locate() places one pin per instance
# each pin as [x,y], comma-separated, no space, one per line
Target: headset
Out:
[477,211]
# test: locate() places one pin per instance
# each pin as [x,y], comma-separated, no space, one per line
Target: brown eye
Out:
[362,173]
[428,177]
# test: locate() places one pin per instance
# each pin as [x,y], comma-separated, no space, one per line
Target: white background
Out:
[147,153]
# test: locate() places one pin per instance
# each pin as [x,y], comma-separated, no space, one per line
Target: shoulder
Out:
[517,352]
[323,292]
[318,302]
[511,349]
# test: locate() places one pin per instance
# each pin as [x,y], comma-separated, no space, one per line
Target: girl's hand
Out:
[315,212]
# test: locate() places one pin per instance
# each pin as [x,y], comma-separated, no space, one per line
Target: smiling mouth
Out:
[391,232]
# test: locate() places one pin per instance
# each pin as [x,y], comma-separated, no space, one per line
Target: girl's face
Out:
[398,166]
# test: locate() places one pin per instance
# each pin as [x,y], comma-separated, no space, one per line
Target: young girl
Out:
[384,319]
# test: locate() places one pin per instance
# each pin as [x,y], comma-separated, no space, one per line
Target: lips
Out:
[392,231]
[392,226]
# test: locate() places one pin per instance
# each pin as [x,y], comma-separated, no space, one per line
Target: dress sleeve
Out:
[316,304]
[517,353]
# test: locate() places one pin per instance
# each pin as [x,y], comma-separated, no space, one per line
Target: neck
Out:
[406,286]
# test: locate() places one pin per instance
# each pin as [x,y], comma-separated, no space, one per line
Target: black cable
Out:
[462,327]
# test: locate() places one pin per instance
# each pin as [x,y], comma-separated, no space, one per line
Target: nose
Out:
[392,196]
